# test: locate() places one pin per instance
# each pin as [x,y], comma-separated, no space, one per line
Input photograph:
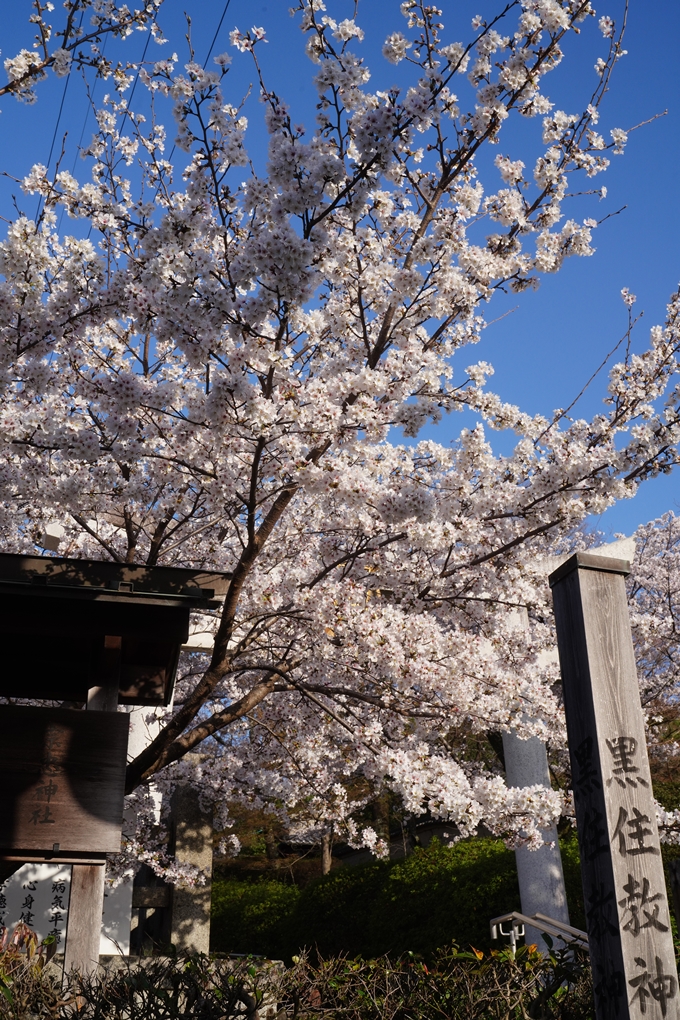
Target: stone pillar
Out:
[541,881]
[193,844]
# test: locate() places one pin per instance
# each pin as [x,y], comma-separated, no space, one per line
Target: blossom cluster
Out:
[78,44]
[213,378]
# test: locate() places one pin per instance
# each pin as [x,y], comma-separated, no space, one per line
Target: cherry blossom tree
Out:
[77,42]
[214,377]
[654,599]
[654,593]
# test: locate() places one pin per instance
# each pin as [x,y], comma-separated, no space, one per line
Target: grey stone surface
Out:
[193,836]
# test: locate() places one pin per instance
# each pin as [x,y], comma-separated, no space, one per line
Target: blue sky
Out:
[551,341]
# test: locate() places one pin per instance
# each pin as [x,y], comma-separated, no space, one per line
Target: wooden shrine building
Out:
[87,635]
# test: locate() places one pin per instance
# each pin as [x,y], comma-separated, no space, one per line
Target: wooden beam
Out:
[8,868]
[629,932]
[84,918]
[104,698]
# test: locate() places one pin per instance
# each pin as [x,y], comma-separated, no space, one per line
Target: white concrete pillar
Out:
[541,880]
[117,914]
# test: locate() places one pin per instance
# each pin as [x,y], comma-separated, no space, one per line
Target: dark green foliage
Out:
[427,900]
[437,896]
[252,916]
[668,793]
[571,866]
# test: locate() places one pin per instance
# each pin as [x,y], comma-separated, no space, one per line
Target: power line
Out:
[148,40]
[134,86]
[56,126]
[132,93]
[88,111]
[217,32]
[209,54]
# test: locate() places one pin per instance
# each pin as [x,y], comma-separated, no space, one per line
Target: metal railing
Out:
[548,925]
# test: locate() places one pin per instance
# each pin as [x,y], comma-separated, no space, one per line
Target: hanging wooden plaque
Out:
[63,779]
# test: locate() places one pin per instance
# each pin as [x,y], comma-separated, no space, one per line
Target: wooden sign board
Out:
[63,780]
[629,927]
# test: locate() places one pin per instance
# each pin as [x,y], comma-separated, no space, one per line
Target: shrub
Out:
[24,990]
[437,896]
[155,988]
[252,917]
[428,900]
[457,986]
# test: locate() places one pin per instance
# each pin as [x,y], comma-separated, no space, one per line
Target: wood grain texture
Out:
[84,918]
[624,890]
[63,777]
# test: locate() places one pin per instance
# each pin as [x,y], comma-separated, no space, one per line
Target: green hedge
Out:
[251,916]
[434,897]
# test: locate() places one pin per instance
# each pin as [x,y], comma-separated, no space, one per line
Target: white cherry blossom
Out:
[214,378]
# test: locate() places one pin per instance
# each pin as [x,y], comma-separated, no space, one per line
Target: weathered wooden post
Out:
[83,934]
[631,947]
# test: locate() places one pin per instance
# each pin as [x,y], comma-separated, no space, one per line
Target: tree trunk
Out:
[327,850]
